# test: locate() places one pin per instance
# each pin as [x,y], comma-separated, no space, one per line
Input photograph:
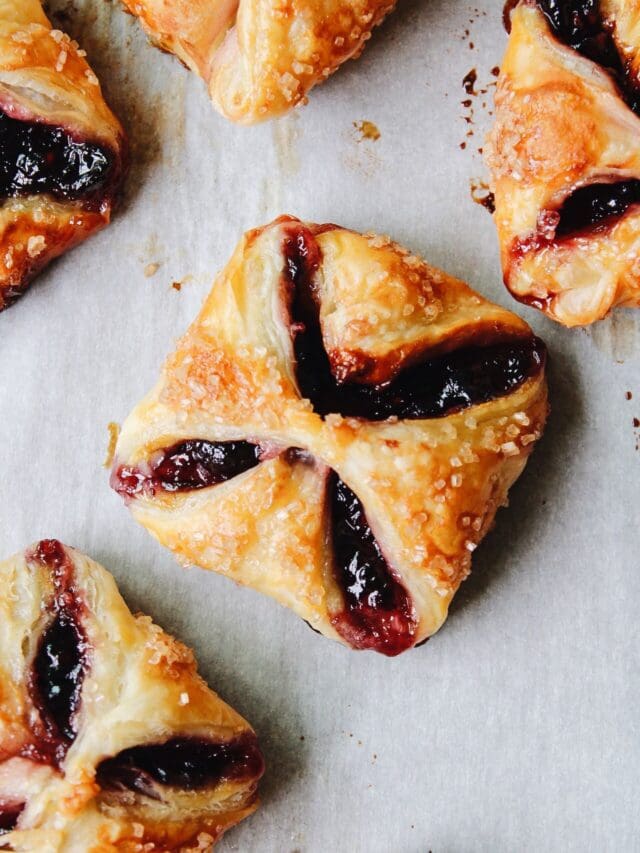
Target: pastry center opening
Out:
[378,613]
[188,465]
[189,763]
[433,388]
[39,159]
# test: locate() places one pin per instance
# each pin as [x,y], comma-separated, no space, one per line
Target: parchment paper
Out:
[516,728]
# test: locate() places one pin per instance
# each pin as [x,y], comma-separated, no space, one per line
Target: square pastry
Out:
[337,429]
[109,738]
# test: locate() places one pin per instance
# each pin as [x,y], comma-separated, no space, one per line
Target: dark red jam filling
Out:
[36,158]
[61,661]
[189,763]
[58,672]
[434,388]
[378,613]
[9,815]
[595,204]
[588,209]
[192,464]
[580,25]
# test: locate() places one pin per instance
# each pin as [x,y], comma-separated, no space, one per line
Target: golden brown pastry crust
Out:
[139,687]
[259,58]
[430,487]
[562,124]
[45,79]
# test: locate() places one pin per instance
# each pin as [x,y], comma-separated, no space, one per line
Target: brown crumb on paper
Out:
[469,82]
[114,433]
[482,195]
[474,91]
[177,285]
[636,427]
[367,130]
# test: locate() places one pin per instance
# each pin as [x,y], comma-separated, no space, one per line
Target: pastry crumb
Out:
[114,433]
[151,269]
[367,130]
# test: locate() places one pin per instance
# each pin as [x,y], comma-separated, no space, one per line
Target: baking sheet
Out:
[516,728]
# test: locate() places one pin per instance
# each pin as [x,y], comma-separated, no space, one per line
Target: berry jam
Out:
[189,763]
[61,661]
[193,464]
[59,669]
[36,158]
[595,204]
[378,613]
[434,388]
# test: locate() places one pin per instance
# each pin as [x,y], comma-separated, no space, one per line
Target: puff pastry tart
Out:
[61,148]
[565,157]
[109,739]
[337,429]
[259,58]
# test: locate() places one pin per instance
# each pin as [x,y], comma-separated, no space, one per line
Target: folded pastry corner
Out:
[109,738]
[337,429]
[564,157]
[62,151]
[259,58]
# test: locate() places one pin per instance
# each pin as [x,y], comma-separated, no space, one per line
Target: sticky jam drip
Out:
[36,158]
[433,388]
[189,763]
[580,25]
[378,613]
[188,465]
[61,660]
